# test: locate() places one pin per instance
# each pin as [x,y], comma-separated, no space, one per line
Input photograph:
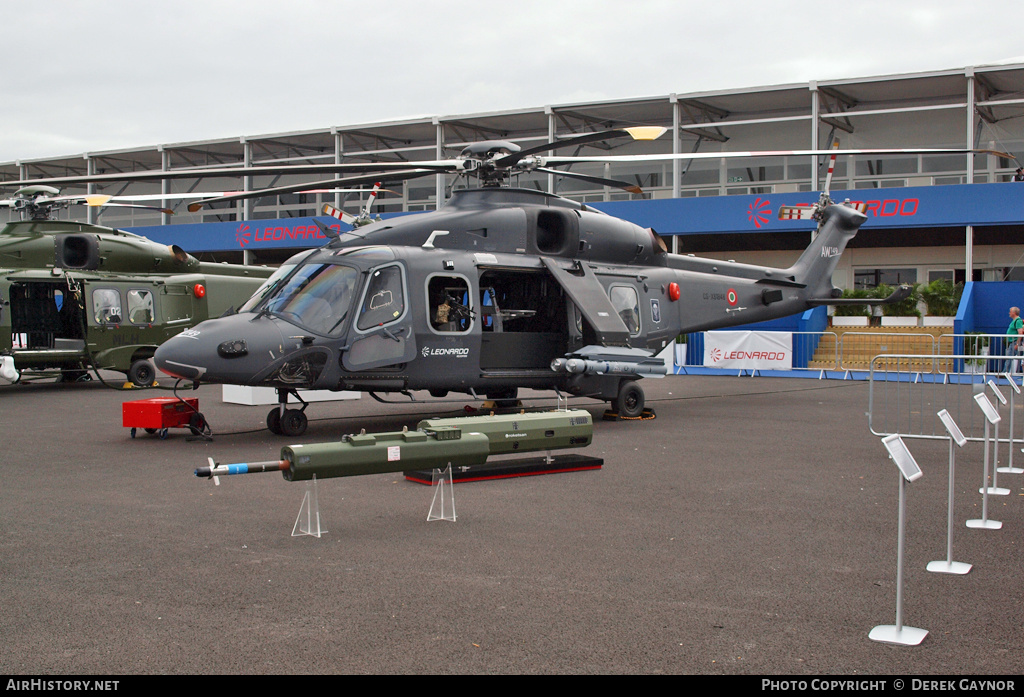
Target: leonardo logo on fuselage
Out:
[456,352]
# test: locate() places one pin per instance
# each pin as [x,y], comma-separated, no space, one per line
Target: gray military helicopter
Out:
[501,288]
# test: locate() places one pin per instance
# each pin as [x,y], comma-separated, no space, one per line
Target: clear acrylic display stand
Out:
[308,520]
[897,633]
[442,506]
[949,566]
[1014,390]
[991,417]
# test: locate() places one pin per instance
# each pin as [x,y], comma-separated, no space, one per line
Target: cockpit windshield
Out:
[317,297]
[267,286]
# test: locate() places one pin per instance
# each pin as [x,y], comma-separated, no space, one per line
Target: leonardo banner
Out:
[744,350]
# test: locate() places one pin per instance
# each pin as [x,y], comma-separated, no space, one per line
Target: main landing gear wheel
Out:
[142,373]
[630,402]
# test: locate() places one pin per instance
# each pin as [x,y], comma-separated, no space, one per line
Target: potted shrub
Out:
[942,299]
[901,314]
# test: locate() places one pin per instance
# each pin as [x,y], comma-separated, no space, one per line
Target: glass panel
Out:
[627,304]
[318,297]
[384,301]
[140,307]
[265,289]
[106,306]
[895,165]
[870,278]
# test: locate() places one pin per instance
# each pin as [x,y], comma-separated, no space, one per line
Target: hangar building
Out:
[930,216]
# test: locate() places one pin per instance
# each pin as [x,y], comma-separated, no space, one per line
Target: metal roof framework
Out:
[988,101]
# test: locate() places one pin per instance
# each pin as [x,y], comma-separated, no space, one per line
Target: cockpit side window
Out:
[384,300]
[318,297]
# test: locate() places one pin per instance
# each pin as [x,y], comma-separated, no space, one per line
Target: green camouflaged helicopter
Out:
[75,296]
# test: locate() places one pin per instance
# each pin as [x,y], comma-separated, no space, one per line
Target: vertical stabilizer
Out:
[814,268]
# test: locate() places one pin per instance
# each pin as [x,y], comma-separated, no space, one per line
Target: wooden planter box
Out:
[934,321]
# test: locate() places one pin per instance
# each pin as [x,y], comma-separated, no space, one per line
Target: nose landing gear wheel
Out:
[293,423]
[274,421]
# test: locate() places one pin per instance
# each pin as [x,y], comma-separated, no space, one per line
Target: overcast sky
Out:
[91,76]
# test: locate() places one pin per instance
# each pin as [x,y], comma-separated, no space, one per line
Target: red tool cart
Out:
[161,413]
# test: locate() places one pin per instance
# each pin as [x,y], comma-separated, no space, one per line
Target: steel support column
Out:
[439,154]
[677,165]
[165,184]
[90,188]
[551,139]
[246,212]
[339,154]
[969,236]
[815,119]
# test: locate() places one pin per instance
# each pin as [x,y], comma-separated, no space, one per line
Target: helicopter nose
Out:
[228,349]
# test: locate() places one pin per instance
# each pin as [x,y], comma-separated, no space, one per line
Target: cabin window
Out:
[140,307]
[449,304]
[627,304]
[384,300]
[106,306]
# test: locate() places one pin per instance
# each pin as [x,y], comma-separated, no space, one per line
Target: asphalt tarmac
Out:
[751,528]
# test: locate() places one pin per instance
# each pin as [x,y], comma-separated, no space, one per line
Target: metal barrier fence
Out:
[902,399]
[856,349]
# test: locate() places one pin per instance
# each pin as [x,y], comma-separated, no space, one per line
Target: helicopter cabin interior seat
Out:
[42,317]
[530,322]
[490,313]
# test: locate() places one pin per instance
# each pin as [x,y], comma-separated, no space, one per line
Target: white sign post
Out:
[995,489]
[991,417]
[949,566]
[1014,390]
[897,633]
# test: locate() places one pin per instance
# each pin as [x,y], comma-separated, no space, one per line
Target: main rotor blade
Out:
[636,133]
[365,179]
[556,160]
[631,188]
[98,201]
[434,167]
[214,194]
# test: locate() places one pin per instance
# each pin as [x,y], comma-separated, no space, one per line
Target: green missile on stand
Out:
[436,443]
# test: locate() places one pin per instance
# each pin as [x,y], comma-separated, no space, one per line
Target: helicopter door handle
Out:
[385,330]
